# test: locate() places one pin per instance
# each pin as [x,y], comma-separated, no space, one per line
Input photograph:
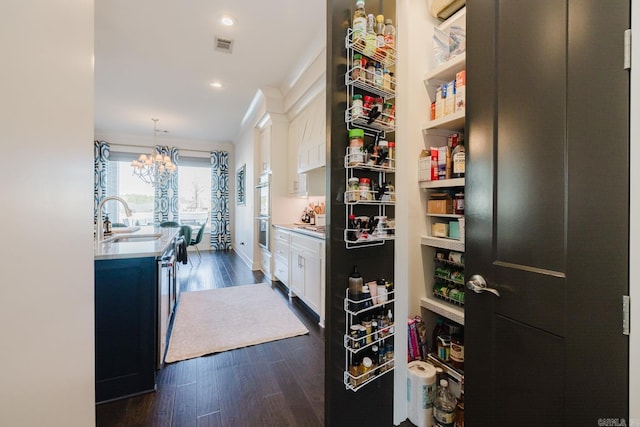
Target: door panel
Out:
[547,212]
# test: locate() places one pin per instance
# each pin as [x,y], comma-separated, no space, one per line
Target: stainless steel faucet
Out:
[100,231]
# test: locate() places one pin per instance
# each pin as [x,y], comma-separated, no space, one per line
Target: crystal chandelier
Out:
[154,168]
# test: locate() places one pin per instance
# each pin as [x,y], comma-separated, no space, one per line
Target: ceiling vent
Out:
[224,45]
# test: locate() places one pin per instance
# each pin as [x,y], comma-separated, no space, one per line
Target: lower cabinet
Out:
[298,262]
[125,327]
[282,241]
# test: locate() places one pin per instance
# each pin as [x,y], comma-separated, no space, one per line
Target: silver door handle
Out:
[477,284]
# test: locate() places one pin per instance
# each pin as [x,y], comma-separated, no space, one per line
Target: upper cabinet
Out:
[265,148]
[312,135]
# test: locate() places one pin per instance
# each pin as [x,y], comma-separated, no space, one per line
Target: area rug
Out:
[216,320]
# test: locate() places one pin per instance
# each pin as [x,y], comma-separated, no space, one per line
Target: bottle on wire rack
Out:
[380,46]
[359,25]
[370,37]
[389,36]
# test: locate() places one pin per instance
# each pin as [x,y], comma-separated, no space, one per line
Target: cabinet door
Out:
[296,267]
[297,182]
[265,148]
[312,280]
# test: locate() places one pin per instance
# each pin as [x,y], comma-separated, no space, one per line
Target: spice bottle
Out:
[356,109]
[392,154]
[356,146]
[365,189]
[358,66]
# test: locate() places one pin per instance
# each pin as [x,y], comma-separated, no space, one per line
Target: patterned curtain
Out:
[220,227]
[165,207]
[101,151]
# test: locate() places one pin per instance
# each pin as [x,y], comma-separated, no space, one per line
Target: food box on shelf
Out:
[440,203]
[439,229]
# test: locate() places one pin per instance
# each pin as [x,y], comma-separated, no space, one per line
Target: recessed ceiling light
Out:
[216,85]
[227,20]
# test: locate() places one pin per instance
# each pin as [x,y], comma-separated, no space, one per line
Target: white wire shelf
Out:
[386,57]
[353,383]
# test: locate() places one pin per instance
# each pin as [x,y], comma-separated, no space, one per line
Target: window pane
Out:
[138,195]
[194,190]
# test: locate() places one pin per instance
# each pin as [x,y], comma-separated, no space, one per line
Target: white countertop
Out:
[111,249]
[299,228]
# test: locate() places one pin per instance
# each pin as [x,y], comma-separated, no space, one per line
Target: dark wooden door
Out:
[547,212]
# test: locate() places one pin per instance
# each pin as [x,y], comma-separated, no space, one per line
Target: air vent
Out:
[224,45]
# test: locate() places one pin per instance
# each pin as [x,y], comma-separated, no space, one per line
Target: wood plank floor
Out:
[280,383]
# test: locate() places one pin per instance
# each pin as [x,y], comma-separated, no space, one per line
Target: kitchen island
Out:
[131,290]
[299,263]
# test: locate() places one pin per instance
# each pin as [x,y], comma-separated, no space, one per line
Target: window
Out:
[194,190]
[138,195]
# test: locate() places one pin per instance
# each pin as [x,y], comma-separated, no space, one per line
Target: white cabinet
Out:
[297,182]
[281,255]
[265,148]
[311,148]
[306,265]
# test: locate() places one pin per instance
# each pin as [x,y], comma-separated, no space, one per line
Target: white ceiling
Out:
[156,58]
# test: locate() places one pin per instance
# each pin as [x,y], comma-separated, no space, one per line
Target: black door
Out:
[547,212]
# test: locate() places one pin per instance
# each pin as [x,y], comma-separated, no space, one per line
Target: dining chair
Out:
[198,239]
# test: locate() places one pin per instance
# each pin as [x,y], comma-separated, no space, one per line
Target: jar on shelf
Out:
[392,154]
[367,103]
[353,190]
[458,204]
[386,79]
[356,146]
[387,113]
[356,109]
[358,67]
[457,351]
[370,72]
[365,189]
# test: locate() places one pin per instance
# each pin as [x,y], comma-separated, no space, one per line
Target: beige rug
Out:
[216,320]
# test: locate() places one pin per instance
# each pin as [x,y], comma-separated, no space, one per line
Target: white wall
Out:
[634,255]
[413,43]
[245,229]
[46,175]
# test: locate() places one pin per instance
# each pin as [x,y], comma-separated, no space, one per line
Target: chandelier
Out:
[153,168]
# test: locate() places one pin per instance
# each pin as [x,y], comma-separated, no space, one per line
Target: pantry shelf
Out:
[443,243]
[443,308]
[443,183]
[453,122]
[450,370]
[445,72]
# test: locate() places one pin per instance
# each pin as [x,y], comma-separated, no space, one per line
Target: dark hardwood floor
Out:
[280,383]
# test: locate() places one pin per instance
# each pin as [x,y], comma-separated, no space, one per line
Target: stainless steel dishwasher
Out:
[166,297]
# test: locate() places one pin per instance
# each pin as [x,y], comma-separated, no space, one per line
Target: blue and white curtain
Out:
[166,195]
[101,151]
[220,226]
